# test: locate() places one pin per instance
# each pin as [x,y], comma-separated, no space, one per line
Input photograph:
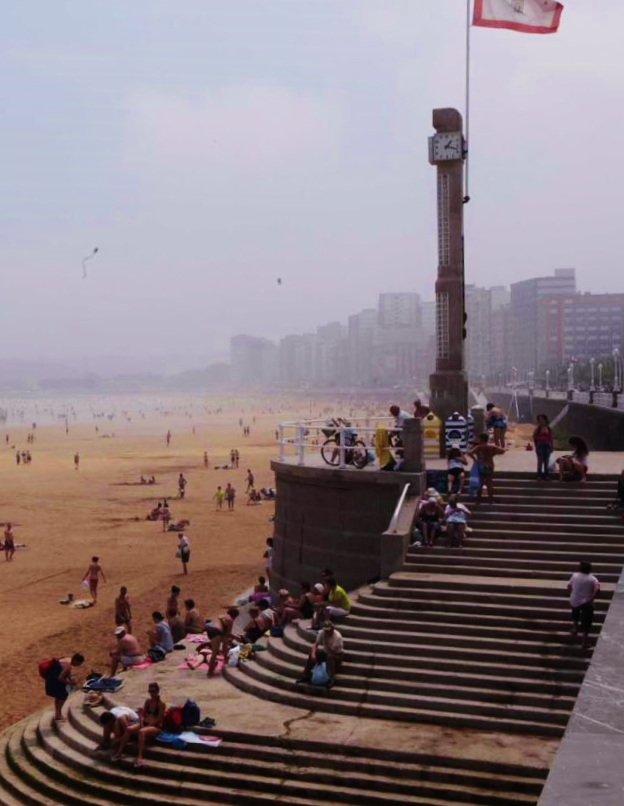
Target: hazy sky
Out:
[209,147]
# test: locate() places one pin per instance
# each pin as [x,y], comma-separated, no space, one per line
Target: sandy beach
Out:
[64,516]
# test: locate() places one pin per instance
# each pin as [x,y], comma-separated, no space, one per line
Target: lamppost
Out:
[617,380]
[547,383]
[600,377]
[592,384]
[531,386]
[570,381]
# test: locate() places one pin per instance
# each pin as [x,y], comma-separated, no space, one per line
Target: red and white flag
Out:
[526,16]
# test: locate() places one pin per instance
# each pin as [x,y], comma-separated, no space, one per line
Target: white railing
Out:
[600,398]
[397,510]
[304,440]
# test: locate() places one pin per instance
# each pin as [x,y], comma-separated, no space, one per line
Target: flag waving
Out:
[526,16]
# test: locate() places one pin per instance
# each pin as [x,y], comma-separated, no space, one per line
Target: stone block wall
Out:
[336,518]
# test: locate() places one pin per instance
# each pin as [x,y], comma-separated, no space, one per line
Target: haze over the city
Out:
[208,149]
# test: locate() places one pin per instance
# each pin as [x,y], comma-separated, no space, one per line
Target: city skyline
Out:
[210,149]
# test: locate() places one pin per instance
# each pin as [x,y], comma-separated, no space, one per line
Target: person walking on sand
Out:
[168,438]
[9,542]
[184,550]
[123,611]
[58,678]
[76,461]
[206,459]
[92,576]
[583,587]
[181,485]
[230,495]
[219,498]
[250,480]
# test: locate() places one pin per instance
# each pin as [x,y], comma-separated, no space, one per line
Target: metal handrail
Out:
[303,428]
[397,510]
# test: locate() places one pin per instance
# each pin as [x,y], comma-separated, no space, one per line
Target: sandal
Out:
[138,763]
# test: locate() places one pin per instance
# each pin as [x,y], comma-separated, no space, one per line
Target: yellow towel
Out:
[382,442]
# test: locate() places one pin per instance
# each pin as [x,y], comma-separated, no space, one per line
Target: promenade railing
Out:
[609,400]
[304,439]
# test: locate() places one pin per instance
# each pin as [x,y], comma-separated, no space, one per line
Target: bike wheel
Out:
[330,451]
[359,454]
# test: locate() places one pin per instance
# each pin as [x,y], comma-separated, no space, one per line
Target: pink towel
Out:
[202,667]
[144,665]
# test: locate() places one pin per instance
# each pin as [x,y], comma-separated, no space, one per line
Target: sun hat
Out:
[319,587]
[120,630]
[93,699]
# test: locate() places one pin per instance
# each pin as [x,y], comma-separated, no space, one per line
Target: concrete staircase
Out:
[44,763]
[474,639]
[469,638]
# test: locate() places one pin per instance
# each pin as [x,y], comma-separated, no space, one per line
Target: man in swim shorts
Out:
[128,652]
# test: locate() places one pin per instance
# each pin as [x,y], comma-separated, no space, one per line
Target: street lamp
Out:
[592,385]
[600,377]
[617,380]
[570,381]
[547,383]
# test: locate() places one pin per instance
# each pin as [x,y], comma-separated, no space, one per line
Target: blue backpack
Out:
[191,714]
[319,676]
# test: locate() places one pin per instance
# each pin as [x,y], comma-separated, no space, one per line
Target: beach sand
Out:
[65,516]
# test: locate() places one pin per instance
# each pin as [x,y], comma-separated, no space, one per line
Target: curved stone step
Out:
[290,754]
[463,612]
[354,677]
[458,619]
[279,689]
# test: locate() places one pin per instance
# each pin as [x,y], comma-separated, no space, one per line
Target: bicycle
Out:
[355,452]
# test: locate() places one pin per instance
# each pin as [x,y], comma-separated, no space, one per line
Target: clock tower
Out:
[449,386]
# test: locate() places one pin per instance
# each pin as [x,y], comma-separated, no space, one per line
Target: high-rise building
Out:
[254,362]
[524,314]
[362,331]
[478,307]
[579,327]
[399,310]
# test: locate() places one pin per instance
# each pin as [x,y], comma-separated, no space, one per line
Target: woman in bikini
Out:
[220,637]
[150,724]
[92,576]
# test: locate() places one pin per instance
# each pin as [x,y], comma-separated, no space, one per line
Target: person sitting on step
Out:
[336,603]
[330,641]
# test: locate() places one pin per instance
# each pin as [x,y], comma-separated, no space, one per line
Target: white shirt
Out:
[582,587]
[399,420]
[183,542]
[456,514]
[122,710]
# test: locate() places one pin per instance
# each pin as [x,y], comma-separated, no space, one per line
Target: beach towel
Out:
[194,738]
[107,684]
[143,665]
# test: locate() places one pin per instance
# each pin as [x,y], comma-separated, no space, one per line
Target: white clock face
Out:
[448,146]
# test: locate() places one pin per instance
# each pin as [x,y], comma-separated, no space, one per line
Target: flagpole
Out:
[467,107]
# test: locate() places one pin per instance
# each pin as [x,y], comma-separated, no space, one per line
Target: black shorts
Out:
[584,615]
[456,471]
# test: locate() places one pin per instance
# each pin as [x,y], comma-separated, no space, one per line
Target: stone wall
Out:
[336,518]
[601,428]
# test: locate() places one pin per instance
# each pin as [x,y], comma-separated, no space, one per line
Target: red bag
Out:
[173,721]
[44,667]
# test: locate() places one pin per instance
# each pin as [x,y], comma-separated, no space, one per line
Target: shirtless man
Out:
[483,454]
[127,653]
[92,576]
[181,485]
[76,461]
[123,611]
[9,542]
[172,600]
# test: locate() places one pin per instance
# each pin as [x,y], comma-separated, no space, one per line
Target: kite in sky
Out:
[84,261]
